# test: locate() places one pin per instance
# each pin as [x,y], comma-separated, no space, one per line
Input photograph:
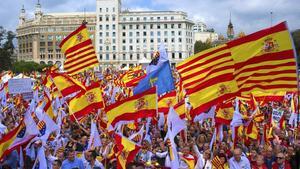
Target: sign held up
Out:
[19,86]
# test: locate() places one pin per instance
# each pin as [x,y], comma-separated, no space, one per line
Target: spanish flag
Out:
[48,107]
[181,109]
[224,113]
[142,105]
[166,101]
[79,51]
[127,151]
[8,139]
[66,84]
[85,103]
[208,78]
[265,61]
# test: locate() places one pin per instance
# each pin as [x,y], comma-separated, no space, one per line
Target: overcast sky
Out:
[247,15]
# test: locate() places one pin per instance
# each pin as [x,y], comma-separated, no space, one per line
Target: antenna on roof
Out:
[271,15]
[84,22]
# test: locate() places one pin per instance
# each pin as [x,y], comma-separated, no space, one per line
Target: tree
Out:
[200,46]
[6,48]
[27,67]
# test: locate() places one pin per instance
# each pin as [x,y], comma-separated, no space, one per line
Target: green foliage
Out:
[200,46]
[6,48]
[27,67]
[296,38]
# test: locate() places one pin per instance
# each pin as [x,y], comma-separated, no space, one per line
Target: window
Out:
[124,19]
[114,56]
[179,33]
[130,26]
[145,33]
[158,33]
[166,33]
[158,18]
[114,27]
[131,18]
[123,27]
[158,40]
[107,34]
[107,56]
[145,18]
[114,18]
[124,57]
[138,56]
[166,40]
[100,48]
[100,18]
[151,26]
[137,41]
[100,56]
[124,41]
[137,26]
[124,34]
[180,55]
[138,18]
[165,18]
[107,18]
[124,47]
[144,26]
[130,40]
[179,26]
[100,41]
[151,18]
[130,34]
[131,48]
[173,33]
[151,40]
[179,40]
[173,40]
[50,37]
[158,26]
[100,9]
[107,48]
[106,9]
[114,34]
[166,26]
[114,41]
[151,33]
[131,56]
[100,34]
[114,48]
[144,40]
[107,27]
[173,55]
[172,26]
[100,27]
[137,33]
[114,9]
[172,17]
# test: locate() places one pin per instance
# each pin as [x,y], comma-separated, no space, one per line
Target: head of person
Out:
[223,158]
[269,152]
[260,160]
[56,164]
[253,154]
[237,154]
[70,153]
[185,150]
[206,154]
[280,158]
[91,155]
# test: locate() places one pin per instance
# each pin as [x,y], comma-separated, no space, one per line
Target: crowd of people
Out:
[196,146]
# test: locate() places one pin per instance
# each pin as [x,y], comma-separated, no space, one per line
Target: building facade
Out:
[39,37]
[125,37]
[120,37]
[201,33]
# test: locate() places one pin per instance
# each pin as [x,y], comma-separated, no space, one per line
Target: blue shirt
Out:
[242,164]
[76,164]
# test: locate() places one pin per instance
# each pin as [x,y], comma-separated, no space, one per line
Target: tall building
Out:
[201,33]
[121,37]
[39,37]
[230,31]
[125,37]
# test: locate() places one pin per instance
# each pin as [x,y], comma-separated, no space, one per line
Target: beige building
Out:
[39,37]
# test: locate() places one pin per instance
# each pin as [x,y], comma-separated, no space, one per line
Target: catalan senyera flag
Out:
[142,105]
[127,151]
[166,101]
[66,84]
[208,78]
[48,107]
[265,61]
[216,162]
[181,109]
[85,103]
[79,51]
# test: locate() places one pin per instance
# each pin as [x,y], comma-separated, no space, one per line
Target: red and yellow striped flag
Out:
[142,105]
[224,113]
[66,84]
[265,61]
[85,103]
[208,78]
[79,51]
[166,101]
[216,162]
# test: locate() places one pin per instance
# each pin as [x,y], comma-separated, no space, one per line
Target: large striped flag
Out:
[66,84]
[265,61]
[127,151]
[87,102]
[79,51]
[208,78]
[142,105]
[166,101]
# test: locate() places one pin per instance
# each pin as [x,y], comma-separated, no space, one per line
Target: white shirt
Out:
[242,164]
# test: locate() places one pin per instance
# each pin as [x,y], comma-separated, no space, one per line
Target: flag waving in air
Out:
[79,51]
